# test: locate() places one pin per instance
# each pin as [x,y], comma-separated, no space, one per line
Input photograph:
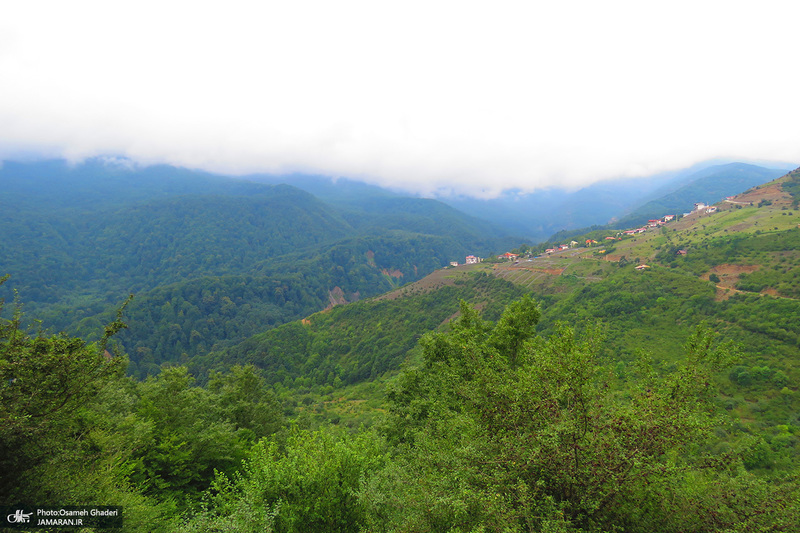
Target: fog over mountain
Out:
[448,99]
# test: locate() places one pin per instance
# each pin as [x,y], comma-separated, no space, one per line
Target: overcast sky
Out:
[471,97]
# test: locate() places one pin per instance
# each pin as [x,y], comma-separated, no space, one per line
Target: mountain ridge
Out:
[196,243]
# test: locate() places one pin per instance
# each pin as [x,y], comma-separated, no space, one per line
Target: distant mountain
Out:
[532,215]
[368,207]
[709,186]
[341,192]
[540,214]
[113,249]
[57,185]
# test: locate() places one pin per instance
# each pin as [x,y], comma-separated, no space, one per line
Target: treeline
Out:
[493,429]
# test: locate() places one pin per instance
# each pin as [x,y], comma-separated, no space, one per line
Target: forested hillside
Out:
[633,382]
[492,427]
[364,340]
[739,276]
[211,260]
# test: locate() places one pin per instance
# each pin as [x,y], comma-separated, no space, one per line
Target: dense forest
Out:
[495,428]
[211,260]
[344,381]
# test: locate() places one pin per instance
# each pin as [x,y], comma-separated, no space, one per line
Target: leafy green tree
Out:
[44,381]
[310,484]
[502,431]
[244,399]
[65,438]
[189,437]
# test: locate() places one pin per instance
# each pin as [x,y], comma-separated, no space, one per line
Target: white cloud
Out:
[426,96]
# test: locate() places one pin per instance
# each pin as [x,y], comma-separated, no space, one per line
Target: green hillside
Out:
[211,260]
[708,185]
[364,340]
[737,270]
[174,322]
[645,382]
[111,252]
[752,251]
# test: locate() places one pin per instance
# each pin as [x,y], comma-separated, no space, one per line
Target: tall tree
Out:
[44,380]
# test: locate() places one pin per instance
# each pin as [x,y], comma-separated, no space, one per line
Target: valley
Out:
[277,342]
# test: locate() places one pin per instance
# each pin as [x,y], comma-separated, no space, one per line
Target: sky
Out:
[434,98]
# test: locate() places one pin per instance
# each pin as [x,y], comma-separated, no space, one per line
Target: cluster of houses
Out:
[589,242]
[699,207]
[562,247]
[650,224]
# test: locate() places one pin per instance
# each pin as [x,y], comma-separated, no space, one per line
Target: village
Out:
[699,208]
